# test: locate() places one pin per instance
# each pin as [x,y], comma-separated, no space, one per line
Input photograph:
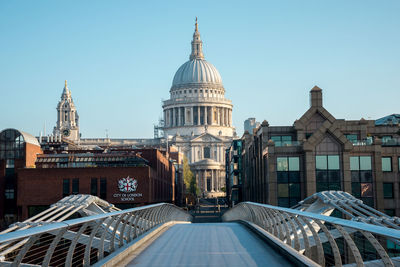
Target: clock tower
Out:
[67,117]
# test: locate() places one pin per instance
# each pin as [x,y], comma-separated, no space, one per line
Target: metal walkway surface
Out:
[209,244]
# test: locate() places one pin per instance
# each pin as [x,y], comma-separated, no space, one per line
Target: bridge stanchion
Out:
[68,259]
[52,247]
[320,259]
[86,258]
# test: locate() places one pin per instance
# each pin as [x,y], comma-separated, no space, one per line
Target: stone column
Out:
[198,115]
[165,118]
[205,115]
[212,181]
[212,116]
[205,180]
[226,117]
[191,154]
[217,180]
[183,122]
[179,123]
[221,111]
[218,116]
[173,117]
[191,115]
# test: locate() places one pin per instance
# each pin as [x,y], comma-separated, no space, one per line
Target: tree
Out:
[189,179]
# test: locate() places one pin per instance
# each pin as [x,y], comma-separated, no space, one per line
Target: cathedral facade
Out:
[198,118]
[197,121]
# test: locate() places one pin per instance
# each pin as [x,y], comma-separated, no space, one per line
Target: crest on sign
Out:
[127,185]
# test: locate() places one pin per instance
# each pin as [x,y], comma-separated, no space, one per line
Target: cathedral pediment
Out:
[206,137]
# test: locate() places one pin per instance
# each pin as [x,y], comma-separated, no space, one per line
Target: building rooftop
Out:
[393,119]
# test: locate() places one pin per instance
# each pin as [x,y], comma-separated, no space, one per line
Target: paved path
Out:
[209,244]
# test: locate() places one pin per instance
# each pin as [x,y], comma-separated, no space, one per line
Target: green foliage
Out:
[189,179]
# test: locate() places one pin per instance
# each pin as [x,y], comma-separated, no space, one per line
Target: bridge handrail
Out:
[305,230]
[100,234]
[52,226]
[379,230]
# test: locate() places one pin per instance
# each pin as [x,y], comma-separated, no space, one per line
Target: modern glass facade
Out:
[327,172]
[362,179]
[288,178]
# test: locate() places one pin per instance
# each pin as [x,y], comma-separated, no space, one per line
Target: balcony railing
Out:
[287,143]
[197,99]
[391,142]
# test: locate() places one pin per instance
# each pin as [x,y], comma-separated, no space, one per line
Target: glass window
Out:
[283,177]
[354,163]
[9,193]
[366,190]
[351,137]
[207,153]
[283,190]
[390,212]
[282,140]
[320,163]
[294,164]
[361,177]
[388,190]
[103,188]
[333,162]
[328,175]
[10,163]
[365,163]
[65,187]
[93,186]
[282,164]
[288,178]
[277,140]
[294,177]
[356,189]
[75,186]
[386,164]
[294,189]
[286,140]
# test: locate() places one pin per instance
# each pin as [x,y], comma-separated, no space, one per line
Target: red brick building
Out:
[126,178]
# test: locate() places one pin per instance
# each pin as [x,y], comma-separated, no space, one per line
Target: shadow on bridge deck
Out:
[209,244]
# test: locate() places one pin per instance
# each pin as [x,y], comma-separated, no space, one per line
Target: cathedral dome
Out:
[197,71]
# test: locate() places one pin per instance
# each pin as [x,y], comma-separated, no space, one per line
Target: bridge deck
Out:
[208,244]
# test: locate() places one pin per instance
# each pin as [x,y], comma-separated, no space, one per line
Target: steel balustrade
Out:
[83,241]
[311,234]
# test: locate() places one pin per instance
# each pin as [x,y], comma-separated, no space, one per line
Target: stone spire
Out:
[67,116]
[197,45]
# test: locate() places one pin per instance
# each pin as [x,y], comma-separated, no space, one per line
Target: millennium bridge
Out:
[83,230]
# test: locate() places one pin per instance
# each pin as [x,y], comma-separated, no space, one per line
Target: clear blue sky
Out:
[119,58]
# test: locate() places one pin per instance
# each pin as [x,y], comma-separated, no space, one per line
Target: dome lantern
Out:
[197,45]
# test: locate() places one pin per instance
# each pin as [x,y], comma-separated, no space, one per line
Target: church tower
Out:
[67,117]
